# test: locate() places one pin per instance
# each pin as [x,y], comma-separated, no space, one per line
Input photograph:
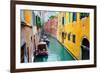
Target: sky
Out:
[48,14]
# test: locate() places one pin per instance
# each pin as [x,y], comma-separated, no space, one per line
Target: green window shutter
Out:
[69,17]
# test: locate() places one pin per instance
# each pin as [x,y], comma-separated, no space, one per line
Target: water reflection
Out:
[40,58]
[56,52]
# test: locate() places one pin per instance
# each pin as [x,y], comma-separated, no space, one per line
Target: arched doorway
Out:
[85,51]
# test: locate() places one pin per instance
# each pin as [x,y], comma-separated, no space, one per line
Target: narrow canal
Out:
[56,52]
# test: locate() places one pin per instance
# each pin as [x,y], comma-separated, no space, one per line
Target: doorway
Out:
[85,51]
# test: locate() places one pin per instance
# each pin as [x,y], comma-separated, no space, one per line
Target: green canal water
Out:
[56,52]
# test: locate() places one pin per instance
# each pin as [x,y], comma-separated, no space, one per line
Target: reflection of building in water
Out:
[73,27]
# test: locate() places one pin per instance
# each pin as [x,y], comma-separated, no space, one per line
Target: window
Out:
[38,21]
[82,15]
[22,15]
[33,18]
[64,35]
[69,36]
[74,16]
[73,38]
[68,17]
[63,20]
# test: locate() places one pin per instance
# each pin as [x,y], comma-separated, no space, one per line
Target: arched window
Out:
[85,51]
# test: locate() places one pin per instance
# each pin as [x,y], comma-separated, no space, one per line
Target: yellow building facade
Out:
[27,17]
[74,32]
